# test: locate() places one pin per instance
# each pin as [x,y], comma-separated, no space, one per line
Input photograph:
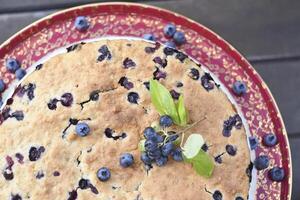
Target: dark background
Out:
[266,32]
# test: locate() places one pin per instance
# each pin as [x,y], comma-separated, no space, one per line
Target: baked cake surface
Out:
[42,157]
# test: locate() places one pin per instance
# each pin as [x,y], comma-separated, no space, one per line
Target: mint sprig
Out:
[192,152]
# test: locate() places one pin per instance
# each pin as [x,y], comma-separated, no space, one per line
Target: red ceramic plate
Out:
[126,19]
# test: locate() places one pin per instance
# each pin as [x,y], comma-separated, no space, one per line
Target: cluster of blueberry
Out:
[66,100]
[7,113]
[232,121]
[170,32]
[158,147]
[27,89]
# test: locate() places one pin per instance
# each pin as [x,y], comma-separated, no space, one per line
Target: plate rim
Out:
[238,57]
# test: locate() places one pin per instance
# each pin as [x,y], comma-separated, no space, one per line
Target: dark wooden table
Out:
[266,32]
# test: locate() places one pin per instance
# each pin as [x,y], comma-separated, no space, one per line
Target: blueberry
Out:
[94,95]
[169,51]
[253,141]
[82,129]
[162,62]
[217,195]
[8,175]
[170,44]
[145,159]
[239,88]
[175,95]
[18,115]
[93,189]
[239,198]
[81,23]
[40,175]
[39,66]
[165,121]
[133,97]
[194,74]
[103,174]
[270,140]
[52,104]
[128,63]
[181,56]
[56,173]
[15,197]
[125,83]
[179,84]
[149,133]
[172,137]
[167,148]
[207,82]
[12,65]
[73,195]
[249,171]
[147,85]
[66,99]
[41,149]
[34,154]
[150,50]
[126,160]
[9,161]
[230,149]
[238,122]
[169,30]
[261,162]
[204,147]
[177,155]
[179,38]
[158,74]
[161,161]
[218,159]
[276,174]
[20,73]
[154,154]
[150,146]
[158,139]
[149,36]
[2,85]
[83,184]
[104,53]
[20,158]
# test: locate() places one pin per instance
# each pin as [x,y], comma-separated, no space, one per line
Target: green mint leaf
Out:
[142,145]
[163,101]
[193,145]
[192,153]
[203,164]
[182,112]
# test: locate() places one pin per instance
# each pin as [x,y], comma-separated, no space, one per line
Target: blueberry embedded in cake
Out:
[78,120]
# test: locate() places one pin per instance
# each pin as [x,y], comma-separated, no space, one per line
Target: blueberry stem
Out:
[192,125]
[181,143]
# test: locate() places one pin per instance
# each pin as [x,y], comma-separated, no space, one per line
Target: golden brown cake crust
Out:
[74,157]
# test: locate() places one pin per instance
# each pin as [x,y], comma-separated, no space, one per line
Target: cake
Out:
[105,84]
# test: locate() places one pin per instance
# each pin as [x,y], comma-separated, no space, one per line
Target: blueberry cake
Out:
[72,129]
